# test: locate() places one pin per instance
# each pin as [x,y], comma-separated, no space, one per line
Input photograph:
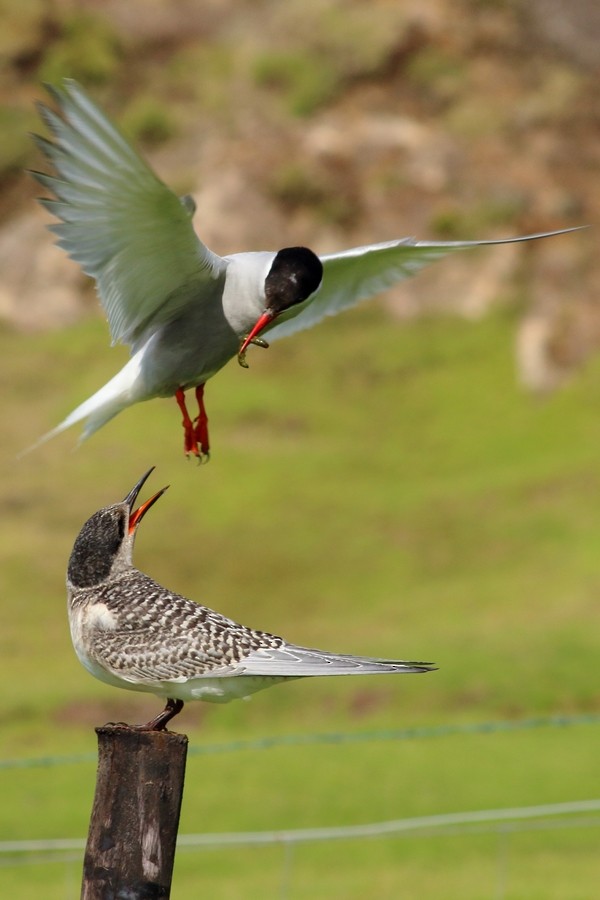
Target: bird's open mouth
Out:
[135,517]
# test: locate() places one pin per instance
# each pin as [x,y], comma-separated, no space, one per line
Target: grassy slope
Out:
[373,489]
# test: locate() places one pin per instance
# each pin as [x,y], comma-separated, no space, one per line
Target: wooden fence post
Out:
[133,828]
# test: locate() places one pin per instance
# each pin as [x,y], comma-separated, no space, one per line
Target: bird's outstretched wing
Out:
[120,222]
[297,662]
[362,272]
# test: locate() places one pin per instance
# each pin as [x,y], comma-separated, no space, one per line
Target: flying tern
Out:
[183,310]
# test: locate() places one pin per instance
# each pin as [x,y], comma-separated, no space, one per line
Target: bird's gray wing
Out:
[120,222]
[362,272]
[295,662]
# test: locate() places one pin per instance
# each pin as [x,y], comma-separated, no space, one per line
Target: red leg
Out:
[190,444]
[201,429]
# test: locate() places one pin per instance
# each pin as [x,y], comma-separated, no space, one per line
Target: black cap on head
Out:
[96,547]
[98,544]
[296,273]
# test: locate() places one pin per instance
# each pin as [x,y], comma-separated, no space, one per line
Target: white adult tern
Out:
[183,310]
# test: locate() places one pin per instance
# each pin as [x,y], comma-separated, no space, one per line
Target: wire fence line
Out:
[522,818]
[503,824]
[394,827]
[291,740]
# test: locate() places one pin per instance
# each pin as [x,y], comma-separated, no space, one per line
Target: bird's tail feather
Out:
[97,410]
[298,662]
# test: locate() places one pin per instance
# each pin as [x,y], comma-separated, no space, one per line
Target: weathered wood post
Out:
[133,828]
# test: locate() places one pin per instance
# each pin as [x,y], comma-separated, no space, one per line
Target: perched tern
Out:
[131,632]
[183,310]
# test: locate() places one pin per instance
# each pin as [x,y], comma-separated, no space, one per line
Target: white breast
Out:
[85,622]
[244,292]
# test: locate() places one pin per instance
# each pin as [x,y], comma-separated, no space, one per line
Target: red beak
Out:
[260,324]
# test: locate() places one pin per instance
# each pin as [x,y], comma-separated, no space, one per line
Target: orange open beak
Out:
[260,324]
[136,517]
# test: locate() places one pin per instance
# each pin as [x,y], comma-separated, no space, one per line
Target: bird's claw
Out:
[202,456]
[126,726]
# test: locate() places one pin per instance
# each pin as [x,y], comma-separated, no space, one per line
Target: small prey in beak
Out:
[252,337]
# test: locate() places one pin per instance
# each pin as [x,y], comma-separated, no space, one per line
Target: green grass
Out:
[373,488]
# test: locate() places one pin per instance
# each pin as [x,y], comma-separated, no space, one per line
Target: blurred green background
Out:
[418,478]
